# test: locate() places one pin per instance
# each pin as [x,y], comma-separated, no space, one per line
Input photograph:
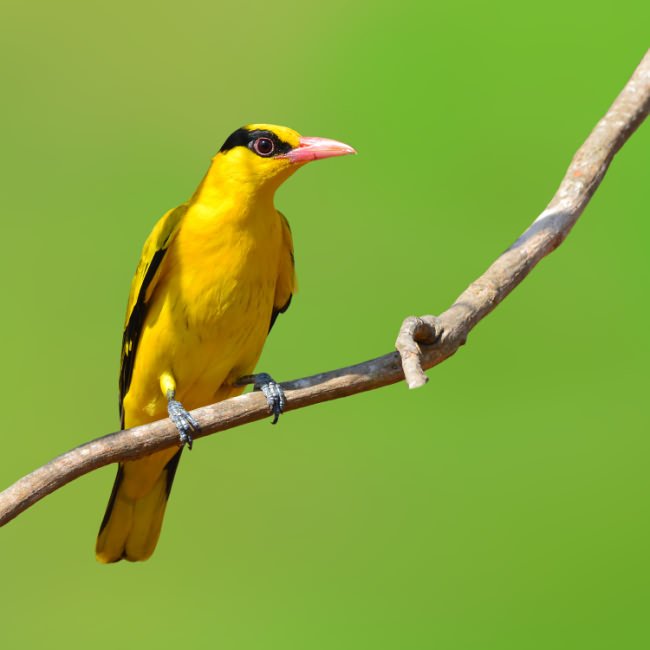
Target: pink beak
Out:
[317,148]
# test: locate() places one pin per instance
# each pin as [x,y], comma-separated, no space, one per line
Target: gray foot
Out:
[184,422]
[272,391]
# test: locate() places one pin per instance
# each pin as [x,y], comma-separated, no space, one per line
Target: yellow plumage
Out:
[213,275]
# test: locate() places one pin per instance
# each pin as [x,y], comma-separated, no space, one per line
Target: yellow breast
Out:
[210,315]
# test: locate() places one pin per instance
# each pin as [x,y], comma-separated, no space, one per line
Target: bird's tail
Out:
[134,515]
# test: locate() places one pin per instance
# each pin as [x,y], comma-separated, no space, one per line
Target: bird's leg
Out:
[272,391]
[184,422]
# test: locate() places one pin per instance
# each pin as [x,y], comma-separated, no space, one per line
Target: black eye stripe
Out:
[246,138]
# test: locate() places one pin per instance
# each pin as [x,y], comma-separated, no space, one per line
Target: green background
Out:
[505,505]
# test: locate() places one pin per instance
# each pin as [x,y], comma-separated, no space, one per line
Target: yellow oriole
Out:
[213,275]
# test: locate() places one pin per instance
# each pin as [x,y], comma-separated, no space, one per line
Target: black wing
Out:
[142,289]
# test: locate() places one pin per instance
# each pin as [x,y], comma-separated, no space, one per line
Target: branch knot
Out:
[415,332]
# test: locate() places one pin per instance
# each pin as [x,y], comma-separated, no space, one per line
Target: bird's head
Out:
[265,155]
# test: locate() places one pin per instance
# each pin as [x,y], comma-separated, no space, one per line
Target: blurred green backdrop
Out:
[503,506]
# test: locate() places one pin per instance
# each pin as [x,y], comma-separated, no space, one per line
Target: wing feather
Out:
[142,288]
[286,285]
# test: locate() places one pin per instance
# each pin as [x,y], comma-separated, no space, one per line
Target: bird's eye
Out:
[264,147]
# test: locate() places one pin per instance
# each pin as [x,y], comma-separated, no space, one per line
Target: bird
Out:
[213,276]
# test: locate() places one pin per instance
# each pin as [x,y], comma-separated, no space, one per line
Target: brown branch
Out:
[438,338]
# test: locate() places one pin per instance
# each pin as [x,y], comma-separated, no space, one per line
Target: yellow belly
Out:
[210,314]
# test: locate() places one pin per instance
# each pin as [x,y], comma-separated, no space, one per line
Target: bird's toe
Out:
[184,422]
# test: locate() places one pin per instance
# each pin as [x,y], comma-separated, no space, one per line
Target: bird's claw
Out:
[274,397]
[273,392]
[185,423]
